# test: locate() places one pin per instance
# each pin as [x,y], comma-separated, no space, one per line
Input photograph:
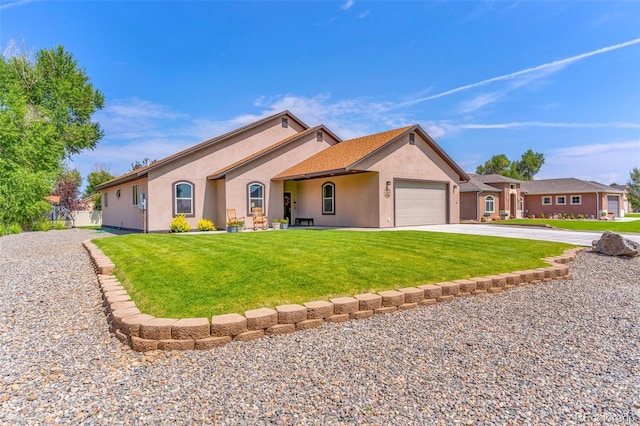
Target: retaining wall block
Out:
[446,298]
[259,319]
[249,335]
[157,328]
[345,305]
[139,344]
[449,289]
[123,338]
[369,301]
[228,325]
[385,310]
[427,302]
[368,313]
[494,290]
[291,314]
[525,276]
[211,342]
[120,305]
[176,345]
[131,325]
[538,275]
[498,280]
[512,279]
[278,329]
[412,294]
[319,309]
[308,324]
[407,306]
[467,286]
[482,283]
[118,314]
[431,291]
[190,329]
[112,293]
[337,318]
[391,298]
[119,298]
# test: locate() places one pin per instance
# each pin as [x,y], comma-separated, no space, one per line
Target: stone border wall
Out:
[143,332]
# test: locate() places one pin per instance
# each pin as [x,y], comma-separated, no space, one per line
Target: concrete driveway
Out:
[581,238]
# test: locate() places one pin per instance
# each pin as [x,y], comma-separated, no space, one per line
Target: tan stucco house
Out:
[396,178]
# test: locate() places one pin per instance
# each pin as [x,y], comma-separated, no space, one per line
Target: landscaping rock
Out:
[259,319]
[412,294]
[613,244]
[228,325]
[319,309]
[369,301]
[391,298]
[291,314]
[190,329]
[345,305]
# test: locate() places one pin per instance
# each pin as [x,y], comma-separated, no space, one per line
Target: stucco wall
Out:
[121,212]
[356,200]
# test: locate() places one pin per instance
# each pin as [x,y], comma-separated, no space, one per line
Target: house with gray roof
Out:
[491,197]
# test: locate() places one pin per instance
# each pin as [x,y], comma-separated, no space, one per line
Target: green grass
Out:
[632,214]
[179,276]
[579,225]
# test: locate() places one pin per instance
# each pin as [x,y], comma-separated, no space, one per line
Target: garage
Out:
[420,203]
[612,205]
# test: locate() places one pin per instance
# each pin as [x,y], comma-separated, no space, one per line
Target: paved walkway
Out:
[582,238]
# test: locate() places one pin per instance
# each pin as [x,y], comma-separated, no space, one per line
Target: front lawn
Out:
[179,276]
[578,224]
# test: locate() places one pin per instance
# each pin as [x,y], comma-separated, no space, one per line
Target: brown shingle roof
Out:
[565,186]
[220,173]
[135,174]
[340,157]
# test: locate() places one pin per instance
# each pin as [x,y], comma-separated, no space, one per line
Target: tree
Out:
[139,164]
[98,176]
[633,188]
[530,164]
[46,104]
[525,169]
[67,189]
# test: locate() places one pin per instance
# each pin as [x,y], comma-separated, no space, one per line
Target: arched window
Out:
[183,198]
[256,196]
[328,198]
[489,204]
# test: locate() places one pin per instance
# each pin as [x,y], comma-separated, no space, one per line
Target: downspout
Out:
[477,205]
[597,205]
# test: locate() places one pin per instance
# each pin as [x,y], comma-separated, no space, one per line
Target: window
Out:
[489,204]
[134,191]
[183,196]
[105,199]
[412,138]
[576,199]
[546,201]
[256,196]
[521,204]
[561,200]
[285,122]
[328,198]
[319,137]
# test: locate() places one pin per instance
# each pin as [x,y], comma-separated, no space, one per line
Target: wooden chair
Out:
[232,219]
[259,219]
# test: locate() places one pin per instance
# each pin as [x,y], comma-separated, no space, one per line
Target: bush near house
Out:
[179,224]
[206,225]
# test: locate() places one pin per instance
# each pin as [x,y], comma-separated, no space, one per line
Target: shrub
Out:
[483,219]
[59,224]
[179,224]
[572,216]
[12,229]
[541,215]
[206,225]
[580,216]
[42,225]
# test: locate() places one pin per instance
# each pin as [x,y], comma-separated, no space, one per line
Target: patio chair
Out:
[259,219]
[232,219]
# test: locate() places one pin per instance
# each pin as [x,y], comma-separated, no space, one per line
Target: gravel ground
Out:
[556,353]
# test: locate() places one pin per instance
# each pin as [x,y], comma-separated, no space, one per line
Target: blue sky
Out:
[483,77]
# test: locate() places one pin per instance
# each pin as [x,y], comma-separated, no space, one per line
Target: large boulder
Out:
[613,244]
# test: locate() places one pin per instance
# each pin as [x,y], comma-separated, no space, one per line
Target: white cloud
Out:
[347,5]
[363,14]
[547,69]
[16,3]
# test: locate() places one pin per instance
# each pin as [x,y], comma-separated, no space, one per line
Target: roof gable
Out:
[142,171]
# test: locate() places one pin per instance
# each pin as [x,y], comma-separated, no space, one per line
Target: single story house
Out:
[399,177]
[571,196]
[491,197]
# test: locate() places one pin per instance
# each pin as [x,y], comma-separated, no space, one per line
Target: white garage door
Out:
[420,203]
[612,204]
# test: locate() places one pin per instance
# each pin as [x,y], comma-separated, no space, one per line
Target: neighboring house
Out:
[395,178]
[626,206]
[571,196]
[490,196]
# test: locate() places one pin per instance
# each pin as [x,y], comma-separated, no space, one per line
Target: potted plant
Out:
[235,226]
[284,223]
[276,223]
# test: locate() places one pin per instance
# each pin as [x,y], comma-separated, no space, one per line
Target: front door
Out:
[287,206]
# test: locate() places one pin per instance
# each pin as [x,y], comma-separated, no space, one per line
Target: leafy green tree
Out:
[46,104]
[530,164]
[633,188]
[498,164]
[139,164]
[98,176]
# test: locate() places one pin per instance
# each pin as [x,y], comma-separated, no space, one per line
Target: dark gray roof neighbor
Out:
[565,186]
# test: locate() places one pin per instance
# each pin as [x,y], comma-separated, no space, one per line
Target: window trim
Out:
[135,197]
[285,122]
[105,199]
[563,203]
[493,204]
[319,136]
[547,197]
[579,203]
[262,198]
[332,198]
[175,197]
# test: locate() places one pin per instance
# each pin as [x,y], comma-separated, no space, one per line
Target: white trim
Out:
[493,204]
[135,197]
[176,198]
[579,200]
[547,197]
[563,203]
